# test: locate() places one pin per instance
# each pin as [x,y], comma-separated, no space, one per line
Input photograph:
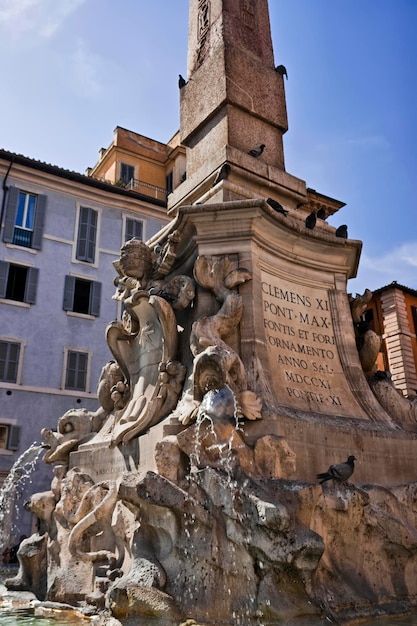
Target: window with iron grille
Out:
[24,218]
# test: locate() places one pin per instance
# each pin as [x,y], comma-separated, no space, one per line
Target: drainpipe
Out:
[5,190]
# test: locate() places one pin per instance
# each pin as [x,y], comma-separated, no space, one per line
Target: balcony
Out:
[146,189]
[22,237]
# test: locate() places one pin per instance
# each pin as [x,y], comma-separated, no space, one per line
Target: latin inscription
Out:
[102,462]
[304,359]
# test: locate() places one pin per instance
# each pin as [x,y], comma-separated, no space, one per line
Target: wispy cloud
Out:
[38,18]
[398,264]
[369,142]
[86,71]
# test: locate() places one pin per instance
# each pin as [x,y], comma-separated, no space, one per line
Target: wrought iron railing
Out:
[159,193]
[22,237]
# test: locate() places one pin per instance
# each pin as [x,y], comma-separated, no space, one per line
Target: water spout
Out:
[17,478]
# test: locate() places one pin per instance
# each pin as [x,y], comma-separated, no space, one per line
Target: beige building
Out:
[392,313]
[140,164]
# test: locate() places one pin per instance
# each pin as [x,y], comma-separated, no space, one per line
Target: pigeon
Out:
[340,473]
[223,173]
[311,220]
[181,81]
[281,69]
[256,152]
[276,206]
[342,231]
[321,214]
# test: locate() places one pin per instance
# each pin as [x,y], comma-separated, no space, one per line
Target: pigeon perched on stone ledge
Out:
[342,232]
[223,173]
[282,70]
[311,220]
[340,473]
[276,206]
[256,152]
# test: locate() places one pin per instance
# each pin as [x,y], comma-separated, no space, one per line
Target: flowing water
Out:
[13,485]
[29,617]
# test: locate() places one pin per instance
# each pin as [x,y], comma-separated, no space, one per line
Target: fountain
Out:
[14,485]
[240,370]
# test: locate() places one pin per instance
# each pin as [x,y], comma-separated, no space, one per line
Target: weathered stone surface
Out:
[124,601]
[32,574]
[170,460]
[370,555]
[274,458]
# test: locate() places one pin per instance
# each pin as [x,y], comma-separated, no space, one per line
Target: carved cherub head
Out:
[136,260]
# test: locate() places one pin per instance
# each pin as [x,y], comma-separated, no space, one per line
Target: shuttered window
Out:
[9,361]
[18,282]
[127,172]
[133,230]
[13,439]
[76,373]
[87,234]
[24,219]
[82,296]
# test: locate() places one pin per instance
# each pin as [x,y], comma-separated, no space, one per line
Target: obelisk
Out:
[233,102]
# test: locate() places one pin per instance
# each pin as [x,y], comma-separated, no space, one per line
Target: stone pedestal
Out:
[296,338]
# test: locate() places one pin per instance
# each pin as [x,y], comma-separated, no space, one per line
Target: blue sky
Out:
[73,70]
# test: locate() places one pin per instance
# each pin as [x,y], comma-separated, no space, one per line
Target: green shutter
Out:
[69,289]
[4,275]
[95,297]
[31,285]
[11,210]
[13,438]
[39,222]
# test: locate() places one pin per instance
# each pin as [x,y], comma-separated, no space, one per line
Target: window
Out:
[25,216]
[76,370]
[170,182]
[18,282]
[9,437]
[4,430]
[9,361]
[133,230]
[87,234]
[82,296]
[127,172]
[414,316]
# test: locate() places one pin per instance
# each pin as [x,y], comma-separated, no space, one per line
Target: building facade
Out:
[60,233]
[141,164]
[392,314]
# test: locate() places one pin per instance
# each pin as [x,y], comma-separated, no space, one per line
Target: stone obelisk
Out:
[233,102]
